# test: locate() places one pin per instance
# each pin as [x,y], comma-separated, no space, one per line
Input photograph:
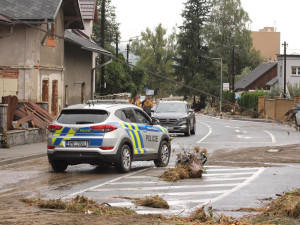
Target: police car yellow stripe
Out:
[135,126]
[138,139]
[129,126]
[133,141]
[123,125]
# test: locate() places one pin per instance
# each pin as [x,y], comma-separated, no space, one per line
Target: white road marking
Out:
[272,136]
[164,187]
[232,127]
[171,202]
[209,132]
[164,182]
[100,185]
[243,137]
[228,192]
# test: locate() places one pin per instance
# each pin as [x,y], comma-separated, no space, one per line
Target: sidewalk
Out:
[22,153]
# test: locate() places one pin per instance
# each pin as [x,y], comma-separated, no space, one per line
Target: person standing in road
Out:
[136,100]
[148,105]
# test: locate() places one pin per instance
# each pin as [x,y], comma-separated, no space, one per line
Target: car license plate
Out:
[77,143]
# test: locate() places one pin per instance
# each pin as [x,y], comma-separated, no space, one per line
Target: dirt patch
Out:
[258,156]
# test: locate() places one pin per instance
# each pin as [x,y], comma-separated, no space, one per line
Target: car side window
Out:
[141,117]
[126,115]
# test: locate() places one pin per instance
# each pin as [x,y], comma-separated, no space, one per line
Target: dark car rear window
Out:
[171,107]
[82,116]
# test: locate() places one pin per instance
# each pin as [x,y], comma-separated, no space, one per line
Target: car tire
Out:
[125,159]
[163,155]
[59,166]
[194,129]
[188,130]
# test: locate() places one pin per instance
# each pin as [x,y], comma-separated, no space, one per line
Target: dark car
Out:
[176,117]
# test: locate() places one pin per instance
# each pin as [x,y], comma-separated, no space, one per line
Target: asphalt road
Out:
[222,187]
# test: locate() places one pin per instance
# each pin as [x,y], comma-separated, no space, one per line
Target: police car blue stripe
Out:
[96,142]
[141,138]
[57,141]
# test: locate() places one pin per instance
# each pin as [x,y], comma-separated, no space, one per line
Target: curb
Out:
[21,159]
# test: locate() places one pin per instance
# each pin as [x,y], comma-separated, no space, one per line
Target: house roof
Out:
[254,75]
[88,8]
[43,10]
[273,81]
[84,43]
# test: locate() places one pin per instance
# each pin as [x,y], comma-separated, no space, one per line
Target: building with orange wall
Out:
[267,41]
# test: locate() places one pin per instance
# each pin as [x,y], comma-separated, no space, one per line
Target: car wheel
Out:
[125,159]
[163,155]
[194,129]
[188,130]
[59,166]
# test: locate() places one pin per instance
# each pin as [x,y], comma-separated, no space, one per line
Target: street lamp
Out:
[221,85]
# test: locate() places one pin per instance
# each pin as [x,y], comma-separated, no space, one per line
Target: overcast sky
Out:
[136,15]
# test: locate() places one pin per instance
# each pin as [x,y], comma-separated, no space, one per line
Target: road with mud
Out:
[227,183]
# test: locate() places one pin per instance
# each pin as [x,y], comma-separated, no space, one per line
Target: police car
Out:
[106,133]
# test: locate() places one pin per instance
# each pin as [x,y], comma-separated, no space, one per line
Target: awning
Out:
[85,43]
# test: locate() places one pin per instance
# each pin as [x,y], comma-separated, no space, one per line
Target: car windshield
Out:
[82,116]
[171,107]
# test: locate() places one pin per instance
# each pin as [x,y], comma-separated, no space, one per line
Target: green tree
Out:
[156,52]
[228,27]
[191,67]
[111,26]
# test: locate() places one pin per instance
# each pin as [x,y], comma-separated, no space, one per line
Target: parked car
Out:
[106,133]
[176,117]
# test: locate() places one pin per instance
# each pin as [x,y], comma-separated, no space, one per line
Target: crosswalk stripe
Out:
[175,203]
[204,175]
[164,187]
[164,182]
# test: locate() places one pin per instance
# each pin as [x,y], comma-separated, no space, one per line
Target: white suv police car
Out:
[106,133]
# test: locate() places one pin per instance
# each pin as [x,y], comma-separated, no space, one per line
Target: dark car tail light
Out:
[53,127]
[104,128]
[51,147]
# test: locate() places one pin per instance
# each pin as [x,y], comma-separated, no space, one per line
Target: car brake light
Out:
[52,127]
[51,147]
[107,148]
[104,128]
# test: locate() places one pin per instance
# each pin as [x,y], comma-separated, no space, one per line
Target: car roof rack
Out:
[108,101]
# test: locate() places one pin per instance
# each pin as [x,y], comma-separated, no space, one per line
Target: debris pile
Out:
[79,204]
[188,165]
[37,116]
[153,202]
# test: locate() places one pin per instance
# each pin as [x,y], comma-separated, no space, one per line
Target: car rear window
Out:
[82,116]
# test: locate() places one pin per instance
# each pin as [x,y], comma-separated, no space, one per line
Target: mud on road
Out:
[34,179]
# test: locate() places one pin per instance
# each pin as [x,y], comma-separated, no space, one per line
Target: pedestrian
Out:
[136,100]
[148,105]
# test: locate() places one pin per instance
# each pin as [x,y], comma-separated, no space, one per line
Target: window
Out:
[82,116]
[141,117]
[295,70]
[126,115]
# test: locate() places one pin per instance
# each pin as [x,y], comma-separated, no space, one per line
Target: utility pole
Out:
[284,69]
[232,75]
[127,52]
[102,43]
[117,45]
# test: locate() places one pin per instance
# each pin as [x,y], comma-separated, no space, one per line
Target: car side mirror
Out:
[191,111]
[155,121]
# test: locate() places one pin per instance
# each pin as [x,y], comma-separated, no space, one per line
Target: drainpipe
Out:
[49,28]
